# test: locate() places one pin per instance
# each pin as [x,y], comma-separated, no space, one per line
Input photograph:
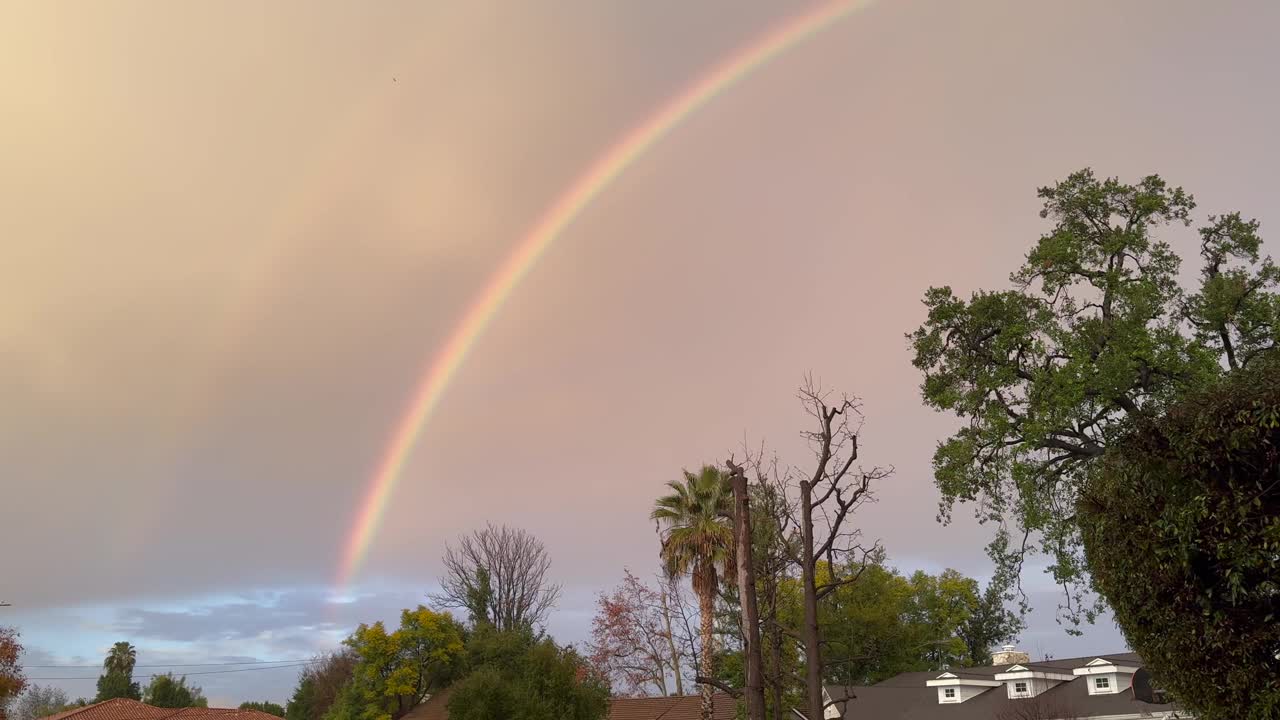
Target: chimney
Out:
[1008,655]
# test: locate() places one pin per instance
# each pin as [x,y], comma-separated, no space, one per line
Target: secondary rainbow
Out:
[585,188]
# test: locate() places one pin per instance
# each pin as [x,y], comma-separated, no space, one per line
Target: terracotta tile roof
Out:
[125,709]
[117,709]
[663,708]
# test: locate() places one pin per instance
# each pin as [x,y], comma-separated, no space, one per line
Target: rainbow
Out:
[585,188]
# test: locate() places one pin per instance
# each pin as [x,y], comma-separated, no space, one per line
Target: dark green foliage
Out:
[116,684]
[517,675]
[887,623]
[167,691]
[1095,334]
[319,685]
[117,680]
[479,597]
[302,705]
[267,707]
[988,625]
[1182,533]
[121,658]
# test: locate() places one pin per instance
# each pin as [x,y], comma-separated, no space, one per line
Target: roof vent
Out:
[1008,655]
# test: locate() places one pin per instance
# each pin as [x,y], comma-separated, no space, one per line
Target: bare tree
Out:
[38,702]
[498,574]
[636,640]
[828,496]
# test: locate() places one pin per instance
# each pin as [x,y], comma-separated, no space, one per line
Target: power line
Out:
[205,672]
[171,665]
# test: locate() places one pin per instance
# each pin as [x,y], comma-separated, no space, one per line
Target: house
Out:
[125,709]
[1011,688]
[652,708]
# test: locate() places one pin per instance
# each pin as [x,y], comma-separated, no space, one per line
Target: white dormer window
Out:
[1106,677]
[1023,681]
[954,688]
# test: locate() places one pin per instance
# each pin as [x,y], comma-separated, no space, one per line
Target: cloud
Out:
[36,656]
[285,620]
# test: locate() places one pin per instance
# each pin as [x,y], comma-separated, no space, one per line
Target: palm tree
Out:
[697,540]
[121,659]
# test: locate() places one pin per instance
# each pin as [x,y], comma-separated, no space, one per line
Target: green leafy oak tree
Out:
[517,674]
[1095,335]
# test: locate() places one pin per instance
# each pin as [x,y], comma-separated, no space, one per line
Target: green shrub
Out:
[1181,529]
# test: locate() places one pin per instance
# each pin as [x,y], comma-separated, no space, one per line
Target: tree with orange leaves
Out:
[12,680]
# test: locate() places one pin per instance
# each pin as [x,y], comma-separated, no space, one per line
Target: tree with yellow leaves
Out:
[395,671]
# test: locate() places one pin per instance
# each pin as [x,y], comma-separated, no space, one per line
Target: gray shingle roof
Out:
[907,697]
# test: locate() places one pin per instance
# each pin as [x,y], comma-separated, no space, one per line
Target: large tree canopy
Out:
[500,576]
[320,684]
[117,679]
[517,674]
[395,671]
[887,623]
[12,680]
[168,691]
[1095,334]
[1182,533]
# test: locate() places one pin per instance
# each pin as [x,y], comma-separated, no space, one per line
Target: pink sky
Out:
[234,234]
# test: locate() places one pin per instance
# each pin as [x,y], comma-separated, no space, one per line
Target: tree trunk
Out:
[754,689]
[706,663]
[776,683]
[671,641]
[809,632]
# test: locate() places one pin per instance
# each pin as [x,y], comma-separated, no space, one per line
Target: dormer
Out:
[1021,681]
[1106,677]
[832,712]
[953,688]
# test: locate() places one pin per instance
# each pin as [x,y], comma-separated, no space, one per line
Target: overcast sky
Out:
[234,235]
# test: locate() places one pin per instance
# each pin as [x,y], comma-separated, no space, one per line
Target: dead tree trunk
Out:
[809,631]
[831,493]
[754,684]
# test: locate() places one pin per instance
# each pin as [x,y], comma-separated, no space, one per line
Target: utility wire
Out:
[205,672]
[170,665]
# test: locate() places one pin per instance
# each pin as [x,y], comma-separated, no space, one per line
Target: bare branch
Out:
[499,575]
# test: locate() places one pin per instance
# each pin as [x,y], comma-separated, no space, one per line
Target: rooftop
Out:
[907,697]
[126,709]
[652,708]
